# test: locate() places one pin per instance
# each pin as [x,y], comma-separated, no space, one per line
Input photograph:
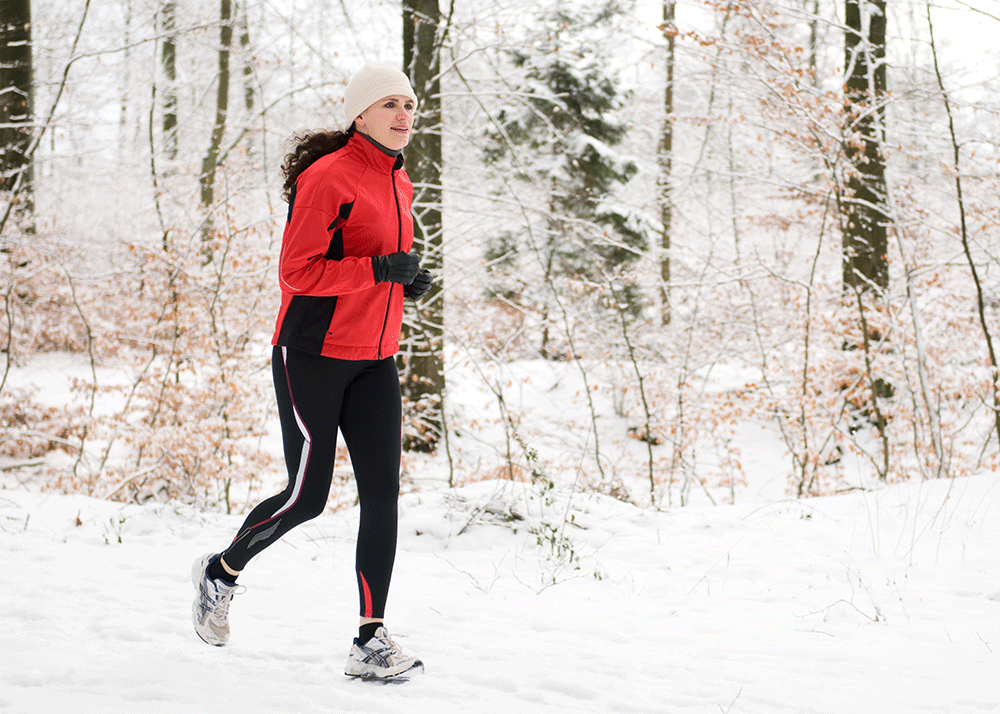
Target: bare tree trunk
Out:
[247,59]
[814,42]
[210,163]
[126,88]
[861,201]
[980,299]
[421,355]
[865,246]
[17,111]
[168,60]
[41,126]
[666,161]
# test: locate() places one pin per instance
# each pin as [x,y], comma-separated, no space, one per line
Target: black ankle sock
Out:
[366,632]
[217,572]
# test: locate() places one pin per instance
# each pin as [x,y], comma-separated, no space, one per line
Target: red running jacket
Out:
[345,208]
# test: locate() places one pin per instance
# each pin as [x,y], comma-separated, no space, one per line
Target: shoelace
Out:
[388,646]
[381,648]
[219,605]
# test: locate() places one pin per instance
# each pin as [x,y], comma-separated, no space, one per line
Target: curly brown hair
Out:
[308,147]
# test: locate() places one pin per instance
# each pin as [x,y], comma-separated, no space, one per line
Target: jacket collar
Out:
[371,155]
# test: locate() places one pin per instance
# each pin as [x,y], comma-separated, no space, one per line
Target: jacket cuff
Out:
[380,268]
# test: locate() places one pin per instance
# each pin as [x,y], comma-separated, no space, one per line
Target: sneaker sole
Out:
[397,678]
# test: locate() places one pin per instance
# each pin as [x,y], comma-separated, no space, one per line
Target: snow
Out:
[870,601]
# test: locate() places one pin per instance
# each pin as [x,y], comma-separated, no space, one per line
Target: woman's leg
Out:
[370,420]
[309,391]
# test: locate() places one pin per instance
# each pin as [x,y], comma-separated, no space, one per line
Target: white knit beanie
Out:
[371,83]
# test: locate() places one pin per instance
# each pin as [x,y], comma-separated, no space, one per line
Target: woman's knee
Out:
[310,511]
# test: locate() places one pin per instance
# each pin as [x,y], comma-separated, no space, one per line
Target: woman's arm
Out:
[320,207]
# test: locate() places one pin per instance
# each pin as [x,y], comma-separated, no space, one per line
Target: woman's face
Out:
[389,121]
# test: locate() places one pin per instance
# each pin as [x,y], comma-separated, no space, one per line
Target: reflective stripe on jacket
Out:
[345,208]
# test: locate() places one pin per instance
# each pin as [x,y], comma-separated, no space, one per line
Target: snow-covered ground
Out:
[878,601]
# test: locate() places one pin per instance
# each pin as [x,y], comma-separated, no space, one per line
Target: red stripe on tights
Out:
[368,595]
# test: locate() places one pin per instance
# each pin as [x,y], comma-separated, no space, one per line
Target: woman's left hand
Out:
[420,285]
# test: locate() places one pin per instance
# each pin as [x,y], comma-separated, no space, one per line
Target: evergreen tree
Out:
[559,135]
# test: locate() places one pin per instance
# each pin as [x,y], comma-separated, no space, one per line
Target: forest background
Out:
[662,232]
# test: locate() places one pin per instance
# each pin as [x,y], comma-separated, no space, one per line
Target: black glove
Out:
[395,268]
[420,285]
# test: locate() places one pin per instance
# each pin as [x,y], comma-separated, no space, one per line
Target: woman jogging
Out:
[344,269]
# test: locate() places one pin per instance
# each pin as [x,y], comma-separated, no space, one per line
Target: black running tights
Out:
[316,395]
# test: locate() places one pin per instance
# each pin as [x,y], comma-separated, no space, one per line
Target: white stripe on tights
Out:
[306,445]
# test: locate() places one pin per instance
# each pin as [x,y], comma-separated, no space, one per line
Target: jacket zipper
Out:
[399,246]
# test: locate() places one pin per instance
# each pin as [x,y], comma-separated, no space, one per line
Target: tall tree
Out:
[210,163]
[126,80]
[813,39]
[421,355]
[168,61]
[247,59]
[667,159]
[864,204]
[16,104]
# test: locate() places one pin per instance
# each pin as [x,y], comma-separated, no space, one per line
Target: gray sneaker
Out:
[381,659]
[210,610]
